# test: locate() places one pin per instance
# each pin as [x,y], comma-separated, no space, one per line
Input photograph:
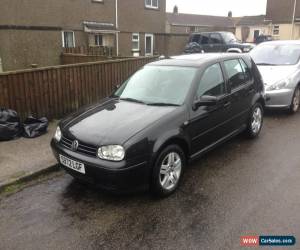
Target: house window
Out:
[68,39]
[193,29]
[153,4]
[98,40]
[135,41]
[276,30]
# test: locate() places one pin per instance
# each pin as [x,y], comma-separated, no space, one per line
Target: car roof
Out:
[283,42]
[197,60]
[209,32]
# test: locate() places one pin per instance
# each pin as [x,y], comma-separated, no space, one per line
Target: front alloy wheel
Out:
[168,170]
[296,101]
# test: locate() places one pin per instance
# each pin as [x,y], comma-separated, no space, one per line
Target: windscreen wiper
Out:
[132,100]
[266,64]
[162,104]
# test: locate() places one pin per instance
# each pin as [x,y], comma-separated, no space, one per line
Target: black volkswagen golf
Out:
[166,114]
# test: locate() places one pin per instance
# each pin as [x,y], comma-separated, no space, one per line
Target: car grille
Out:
[82,147]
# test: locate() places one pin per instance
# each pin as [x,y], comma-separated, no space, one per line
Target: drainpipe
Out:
[1,68]
[117,27]
[293,21]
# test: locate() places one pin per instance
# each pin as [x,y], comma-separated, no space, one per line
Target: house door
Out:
[149,44]
[256,34]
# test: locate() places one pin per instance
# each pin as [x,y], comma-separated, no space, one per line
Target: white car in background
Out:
[278,63]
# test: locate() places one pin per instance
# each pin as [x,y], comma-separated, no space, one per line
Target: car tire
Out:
[167,171]
[295,101]
[255,121]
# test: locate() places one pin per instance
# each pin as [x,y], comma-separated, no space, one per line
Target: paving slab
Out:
[24,157]
[244,187]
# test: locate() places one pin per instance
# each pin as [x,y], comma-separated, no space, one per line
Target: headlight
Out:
[247,49]
[57,135]
[111,153]
[278,85]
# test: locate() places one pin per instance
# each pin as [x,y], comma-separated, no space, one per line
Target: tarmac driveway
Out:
[242,188]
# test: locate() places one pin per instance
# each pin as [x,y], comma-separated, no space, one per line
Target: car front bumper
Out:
[117,177]
[281,98]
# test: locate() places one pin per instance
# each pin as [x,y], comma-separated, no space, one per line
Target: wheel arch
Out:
[259,98]
[179,141]
[234,50]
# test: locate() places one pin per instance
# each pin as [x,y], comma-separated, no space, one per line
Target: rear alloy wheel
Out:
[296,101]
[255,121]
[168,170]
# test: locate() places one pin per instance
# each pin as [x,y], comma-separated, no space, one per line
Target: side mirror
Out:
[115,87]
[205,100]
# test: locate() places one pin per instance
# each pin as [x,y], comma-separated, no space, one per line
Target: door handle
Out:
[227,104]
[250,91]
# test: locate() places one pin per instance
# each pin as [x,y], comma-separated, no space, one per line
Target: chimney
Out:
[175,9]
[229,13]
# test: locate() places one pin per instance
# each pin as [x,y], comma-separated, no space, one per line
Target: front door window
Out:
[235,73]
[212,82]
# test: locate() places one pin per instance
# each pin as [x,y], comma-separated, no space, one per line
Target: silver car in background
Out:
[278,63]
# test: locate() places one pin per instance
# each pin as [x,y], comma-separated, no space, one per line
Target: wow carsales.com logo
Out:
[254,241]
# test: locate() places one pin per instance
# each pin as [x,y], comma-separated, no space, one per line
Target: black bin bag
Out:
[34,127]
[10,125]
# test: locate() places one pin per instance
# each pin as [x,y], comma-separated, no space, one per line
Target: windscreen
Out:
[158,84]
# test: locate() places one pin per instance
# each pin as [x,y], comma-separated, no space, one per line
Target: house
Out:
[139,23]
[34,33]
[250,27]
[284,17]
[188,23]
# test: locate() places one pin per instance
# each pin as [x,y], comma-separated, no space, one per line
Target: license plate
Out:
[77,166]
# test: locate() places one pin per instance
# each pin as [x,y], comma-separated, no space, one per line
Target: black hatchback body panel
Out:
[232,81]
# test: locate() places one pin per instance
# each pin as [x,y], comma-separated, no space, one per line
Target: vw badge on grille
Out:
[75,145]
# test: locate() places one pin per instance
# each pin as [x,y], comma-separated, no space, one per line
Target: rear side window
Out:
[235,73]
[246,70]
[205,39]
[215,38]
[212,82]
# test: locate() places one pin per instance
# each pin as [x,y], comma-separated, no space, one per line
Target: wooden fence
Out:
[59,90]
[68,58]
[91,51]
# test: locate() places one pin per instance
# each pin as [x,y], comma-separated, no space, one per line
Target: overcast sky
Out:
[219,7]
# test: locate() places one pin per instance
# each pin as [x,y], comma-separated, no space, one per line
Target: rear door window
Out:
[235,73]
